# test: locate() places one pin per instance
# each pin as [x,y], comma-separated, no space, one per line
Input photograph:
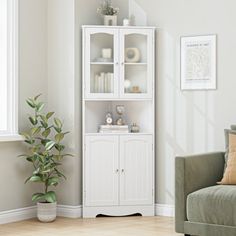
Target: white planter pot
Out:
[110,20]
[46,212]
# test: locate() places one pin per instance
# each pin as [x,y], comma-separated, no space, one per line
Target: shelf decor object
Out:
[198,62]
[132,55]
[108,12]
[118,157]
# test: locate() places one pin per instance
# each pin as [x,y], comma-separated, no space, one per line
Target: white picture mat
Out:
[198,62]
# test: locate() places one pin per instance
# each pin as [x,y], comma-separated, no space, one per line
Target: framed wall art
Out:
[198,62]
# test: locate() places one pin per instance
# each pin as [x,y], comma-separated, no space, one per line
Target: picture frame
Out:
[198,62]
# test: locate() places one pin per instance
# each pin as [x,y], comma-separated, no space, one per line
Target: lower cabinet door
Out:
[101,165]
[136,164]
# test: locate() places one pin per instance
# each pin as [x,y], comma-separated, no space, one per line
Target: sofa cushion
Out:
[213,205]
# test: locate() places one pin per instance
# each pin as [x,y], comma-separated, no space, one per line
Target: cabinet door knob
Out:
[122,170]
[117,170]
[117,63]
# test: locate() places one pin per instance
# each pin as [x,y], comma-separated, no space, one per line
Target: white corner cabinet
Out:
[118,168]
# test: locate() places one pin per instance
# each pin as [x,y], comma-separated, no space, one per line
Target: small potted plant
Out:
[45,153]
[108,12]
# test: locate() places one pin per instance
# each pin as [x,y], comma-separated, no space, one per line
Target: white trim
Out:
[12,68]
[31,212]
[11,138]
[164,210]
[67,211]
[17,214]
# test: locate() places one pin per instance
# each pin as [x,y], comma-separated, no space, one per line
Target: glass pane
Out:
[101,63]
[102,79]
[135,63]
[3,65]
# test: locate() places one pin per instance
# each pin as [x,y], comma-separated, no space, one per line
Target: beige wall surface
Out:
[32,80]
[50,62]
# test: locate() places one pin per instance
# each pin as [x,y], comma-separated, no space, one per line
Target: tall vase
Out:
[110,20]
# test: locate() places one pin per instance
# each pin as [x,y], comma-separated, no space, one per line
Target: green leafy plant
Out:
[45,149]
[107,9]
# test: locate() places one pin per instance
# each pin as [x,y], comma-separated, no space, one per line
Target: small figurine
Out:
[134,128]
[109,119]
[120,109]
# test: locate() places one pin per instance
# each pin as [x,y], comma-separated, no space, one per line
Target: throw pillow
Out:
[227,132]
[230,171]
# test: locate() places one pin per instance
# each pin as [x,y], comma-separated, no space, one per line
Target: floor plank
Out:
[105,226]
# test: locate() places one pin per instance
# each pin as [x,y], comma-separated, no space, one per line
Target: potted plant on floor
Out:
[45,153]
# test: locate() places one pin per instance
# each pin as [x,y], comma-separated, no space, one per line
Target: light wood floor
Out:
[122,226]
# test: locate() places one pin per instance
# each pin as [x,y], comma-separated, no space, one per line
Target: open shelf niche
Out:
[139,112]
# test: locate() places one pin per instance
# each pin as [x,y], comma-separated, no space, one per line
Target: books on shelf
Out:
[103,82]
[113,129]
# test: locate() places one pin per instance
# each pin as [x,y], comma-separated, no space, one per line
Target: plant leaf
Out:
[23,155]
[53,181]
[26,135]
[37,197]
[49,145]
[57,122]
[44,124]
[36,97]
[27,179]
[57,129]
[60,174]
[50,196]
[30,102]
[59,137]
[40,106]
[33,120]
[35,130]
[35,178]
[46,132]
[59,147]
[49,115]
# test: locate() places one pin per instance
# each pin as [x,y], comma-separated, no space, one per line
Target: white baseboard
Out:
[69,211]
[17,214]
[31,212]
[164,210]
[66,211]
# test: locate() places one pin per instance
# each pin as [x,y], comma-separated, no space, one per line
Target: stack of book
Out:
[114,129]
[103,82]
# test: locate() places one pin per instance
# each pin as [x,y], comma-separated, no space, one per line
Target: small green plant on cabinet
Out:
[45,149]
[106,9]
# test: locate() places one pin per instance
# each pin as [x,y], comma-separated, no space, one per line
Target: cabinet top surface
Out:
[119,27]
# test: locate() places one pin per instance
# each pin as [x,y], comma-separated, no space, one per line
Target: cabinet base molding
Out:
[92,212]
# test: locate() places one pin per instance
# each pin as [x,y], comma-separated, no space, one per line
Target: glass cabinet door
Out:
[101,63]
[137,58]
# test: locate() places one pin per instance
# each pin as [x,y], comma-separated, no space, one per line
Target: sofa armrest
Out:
[193,173]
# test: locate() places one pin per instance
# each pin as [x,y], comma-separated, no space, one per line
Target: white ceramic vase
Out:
[110,20]
[46,212]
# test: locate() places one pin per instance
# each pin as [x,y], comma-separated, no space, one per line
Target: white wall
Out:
[62,91]
[190,122]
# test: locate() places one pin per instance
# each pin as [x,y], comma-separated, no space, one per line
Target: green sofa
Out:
[202,207]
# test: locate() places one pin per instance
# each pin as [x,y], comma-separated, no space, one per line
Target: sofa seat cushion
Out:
[213,205]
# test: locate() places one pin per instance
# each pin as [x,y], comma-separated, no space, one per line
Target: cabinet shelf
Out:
[136,64]
[102,63]
[109,134]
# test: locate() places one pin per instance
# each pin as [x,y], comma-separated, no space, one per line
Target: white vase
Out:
[46,212]
[110,20]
